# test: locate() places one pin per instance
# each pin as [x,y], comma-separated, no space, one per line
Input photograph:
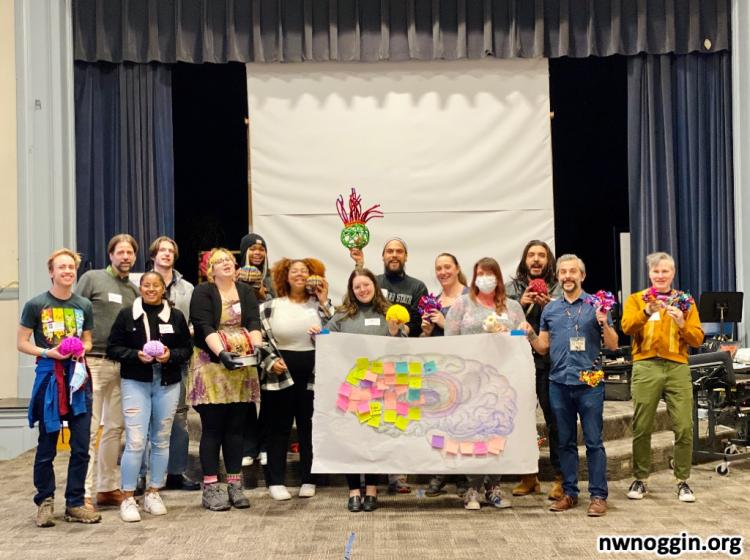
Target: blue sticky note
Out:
[402,367]
[429,367]
[414,394]
[517,332]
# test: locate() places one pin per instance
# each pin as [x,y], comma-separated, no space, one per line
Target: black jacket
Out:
[128,335]
[205,312]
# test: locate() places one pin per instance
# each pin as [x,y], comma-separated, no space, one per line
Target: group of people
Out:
[130,352]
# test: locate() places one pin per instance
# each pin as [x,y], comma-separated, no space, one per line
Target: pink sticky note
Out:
[345,389]
[480,448]
[363,406]
[376,393]
[342,403]
[402,408]
[371,376]
[451,446]
[390,379]
[389,367]
[467,448]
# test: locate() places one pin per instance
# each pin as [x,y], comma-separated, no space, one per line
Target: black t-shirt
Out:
[54,319]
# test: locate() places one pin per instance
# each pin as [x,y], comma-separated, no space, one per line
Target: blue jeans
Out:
[568,402]
[148,409]
[44,473]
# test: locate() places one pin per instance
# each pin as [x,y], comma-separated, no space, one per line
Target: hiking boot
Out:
[436,486]
[556,491]
[564,504]
[153,504]
[529,485]
[684,493]
[79,514]
[637,490]
[45,513]
[236,496]
[88,503]
[214,498]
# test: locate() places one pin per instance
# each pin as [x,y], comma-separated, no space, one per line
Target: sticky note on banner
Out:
[451,446]
[429,367]
[364,417]
[496,445]
[359,373]
[352,379]
[376,408]
[402,367]
[376,393]
[362,363]
[480,448]
[389,416]
[401,389]
[365,384]
[414,395]
[342,404]
[372,377]
[415,367]
[401,423]
[415,413]
[381,384]
[415,383]
[374,421]
[438,442]
[402,408]
[402,379]
[389,400]
[363,407]
[390,379]
[389,367]
[467,448]
[345,390]
[376,367]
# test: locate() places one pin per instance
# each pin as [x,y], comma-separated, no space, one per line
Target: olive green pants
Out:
[652,380]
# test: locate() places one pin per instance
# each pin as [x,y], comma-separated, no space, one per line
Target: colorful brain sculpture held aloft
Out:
[461,407]
[355,234]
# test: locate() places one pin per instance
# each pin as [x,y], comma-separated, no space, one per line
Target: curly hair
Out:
[488,263]
[280,273]
[349,305]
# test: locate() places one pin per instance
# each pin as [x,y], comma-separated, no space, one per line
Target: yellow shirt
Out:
[660,338]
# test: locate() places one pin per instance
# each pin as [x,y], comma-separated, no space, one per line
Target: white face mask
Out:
[486,284]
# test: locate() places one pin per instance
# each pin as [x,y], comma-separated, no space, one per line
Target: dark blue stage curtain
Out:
[680,167]
[124,156]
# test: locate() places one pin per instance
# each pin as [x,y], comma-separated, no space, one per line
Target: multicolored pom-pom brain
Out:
[602,301]
[355,234]
[427,304]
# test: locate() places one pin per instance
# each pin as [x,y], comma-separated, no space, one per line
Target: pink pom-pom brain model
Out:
[153,348]
[71,345]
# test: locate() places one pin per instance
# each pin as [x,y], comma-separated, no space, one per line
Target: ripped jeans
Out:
[148,409]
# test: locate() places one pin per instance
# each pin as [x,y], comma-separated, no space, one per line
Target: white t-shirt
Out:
[290,322]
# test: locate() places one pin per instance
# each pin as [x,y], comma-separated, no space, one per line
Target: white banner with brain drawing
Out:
[454,404]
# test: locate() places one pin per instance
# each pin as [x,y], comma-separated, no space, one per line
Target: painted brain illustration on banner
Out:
[460,406]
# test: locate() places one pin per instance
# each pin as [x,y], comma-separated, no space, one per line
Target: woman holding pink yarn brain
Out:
[151,341]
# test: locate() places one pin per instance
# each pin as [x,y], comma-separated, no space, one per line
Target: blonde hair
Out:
[64,251]
[212,260]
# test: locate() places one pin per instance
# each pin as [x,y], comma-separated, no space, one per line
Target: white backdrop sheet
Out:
[458,154]
[475,394]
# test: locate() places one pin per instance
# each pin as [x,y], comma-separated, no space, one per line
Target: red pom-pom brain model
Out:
[538,286]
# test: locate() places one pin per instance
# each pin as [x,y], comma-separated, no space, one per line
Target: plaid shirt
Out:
[270,351]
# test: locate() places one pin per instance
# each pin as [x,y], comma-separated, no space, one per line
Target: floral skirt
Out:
[211,383]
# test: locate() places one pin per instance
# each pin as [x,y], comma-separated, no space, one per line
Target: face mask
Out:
[486,284]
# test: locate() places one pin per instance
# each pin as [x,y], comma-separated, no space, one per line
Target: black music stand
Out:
[721,307]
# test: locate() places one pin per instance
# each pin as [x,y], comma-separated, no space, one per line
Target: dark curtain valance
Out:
[370,30]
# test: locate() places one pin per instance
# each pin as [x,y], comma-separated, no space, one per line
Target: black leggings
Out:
[279,409]
[353,480]
[222,426]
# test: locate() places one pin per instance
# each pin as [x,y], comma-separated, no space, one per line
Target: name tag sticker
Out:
[166,329]
[655,317]
[577,344]
[114,298]
[372,322]
[237,308]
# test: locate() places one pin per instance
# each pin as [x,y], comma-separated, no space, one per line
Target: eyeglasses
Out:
[222,261]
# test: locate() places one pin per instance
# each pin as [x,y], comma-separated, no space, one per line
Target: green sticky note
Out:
[430,367]
[401,423]
[413,395]
[362,363]
[352,379]
[363,417]
[376,367]
[389,416]
[415,367]
[415,383]
[374,421]
[402,379]
[402,367]
[376,408]
[415,413]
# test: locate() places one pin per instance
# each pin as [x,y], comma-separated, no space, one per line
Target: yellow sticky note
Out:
[402,379]
[376,408]
[401,423]
[414,413]
[359,373]
[376,367]
[374,421]
[351,379]
[389,416]
[415,367]
[415,383]
[363,417]
[362,363]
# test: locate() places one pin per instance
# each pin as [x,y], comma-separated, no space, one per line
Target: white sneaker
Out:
[307,491]
[247,461]
[153,504]
[684,493]
[471,499]
[494,497]
[263,458]
[637,490]
[279,492]
[129,510]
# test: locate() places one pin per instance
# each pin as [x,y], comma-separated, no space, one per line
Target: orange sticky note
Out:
[389,367]
[451,446]
[467,448]
[496,445]
[389,400]
[370,376]
[390,378]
